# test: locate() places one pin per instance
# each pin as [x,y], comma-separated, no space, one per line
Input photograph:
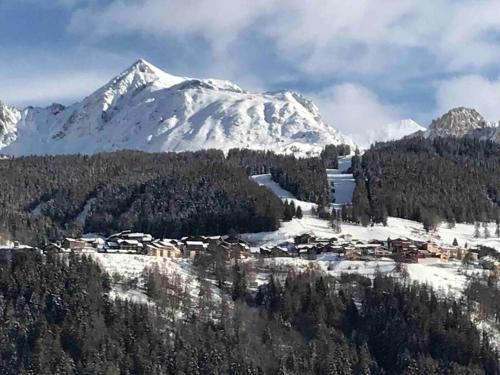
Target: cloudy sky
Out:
[361,61]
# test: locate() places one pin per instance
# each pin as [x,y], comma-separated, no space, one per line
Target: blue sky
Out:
[364,63]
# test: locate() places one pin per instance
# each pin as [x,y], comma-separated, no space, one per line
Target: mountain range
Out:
[147,109]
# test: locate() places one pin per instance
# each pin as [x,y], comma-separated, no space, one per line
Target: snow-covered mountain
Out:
[463,122]
[147,109]
[388,132]
[9,117]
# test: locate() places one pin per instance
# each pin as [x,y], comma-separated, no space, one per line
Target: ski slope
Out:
[267,181]
[396,227]
[343,183]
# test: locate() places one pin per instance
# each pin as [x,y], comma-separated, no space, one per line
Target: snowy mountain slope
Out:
[398,130]
[388,132]
[147,109]
[9,117]
[463,122]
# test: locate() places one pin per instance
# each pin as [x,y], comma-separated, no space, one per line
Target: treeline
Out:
[165,194]
[331,153]
[57,318]
[445,179]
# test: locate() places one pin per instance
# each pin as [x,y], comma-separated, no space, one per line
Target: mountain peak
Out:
[457,122]
[139,75]
[386,132]
[142,72]
[147,109]
[144,66]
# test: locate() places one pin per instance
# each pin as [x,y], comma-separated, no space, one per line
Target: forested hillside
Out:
[165,194]
[445,179]
[304,177]
[57,318]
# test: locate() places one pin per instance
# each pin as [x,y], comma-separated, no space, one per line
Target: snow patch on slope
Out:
[82,216]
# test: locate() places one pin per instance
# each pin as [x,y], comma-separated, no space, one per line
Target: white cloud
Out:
[471,91]
[42,90]
[218,21]
[383,42]
[327,37]
[40,77]
[355,111]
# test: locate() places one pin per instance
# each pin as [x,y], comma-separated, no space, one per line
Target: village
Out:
[305,246]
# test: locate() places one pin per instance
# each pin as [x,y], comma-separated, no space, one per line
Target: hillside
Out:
[144,108]
[166,194]
[444,179]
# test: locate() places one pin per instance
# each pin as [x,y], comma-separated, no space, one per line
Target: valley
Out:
[235,252]
[249,188]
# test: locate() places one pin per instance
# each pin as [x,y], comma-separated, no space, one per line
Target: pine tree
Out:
[299,212]
[361,211]
[497,230]
[335,221]
[239,283]
[287,212]
[486,230]
[293,211]
[455,242]
[477,232]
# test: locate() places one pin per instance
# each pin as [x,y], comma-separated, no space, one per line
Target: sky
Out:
[363,62]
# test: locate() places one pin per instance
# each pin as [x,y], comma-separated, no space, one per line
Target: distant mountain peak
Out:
[457,122]
[386,132]
[462,122]
[139,74]
[143,65]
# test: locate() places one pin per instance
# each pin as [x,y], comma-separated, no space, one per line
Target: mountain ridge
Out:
[147,109]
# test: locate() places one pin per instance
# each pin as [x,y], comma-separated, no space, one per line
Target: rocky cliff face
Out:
[463,122]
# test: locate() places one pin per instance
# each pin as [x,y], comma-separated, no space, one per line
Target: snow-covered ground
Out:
[267,181]
[396,227]
[342,182]
[131,267]
[447,277]
[442,276]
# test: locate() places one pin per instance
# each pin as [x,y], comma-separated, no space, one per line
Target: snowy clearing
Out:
[132,266]
[267,181]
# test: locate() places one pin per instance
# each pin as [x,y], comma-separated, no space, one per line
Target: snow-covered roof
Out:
[130,242]
[196,243]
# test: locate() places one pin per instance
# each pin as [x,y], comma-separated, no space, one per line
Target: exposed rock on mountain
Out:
[463,122]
